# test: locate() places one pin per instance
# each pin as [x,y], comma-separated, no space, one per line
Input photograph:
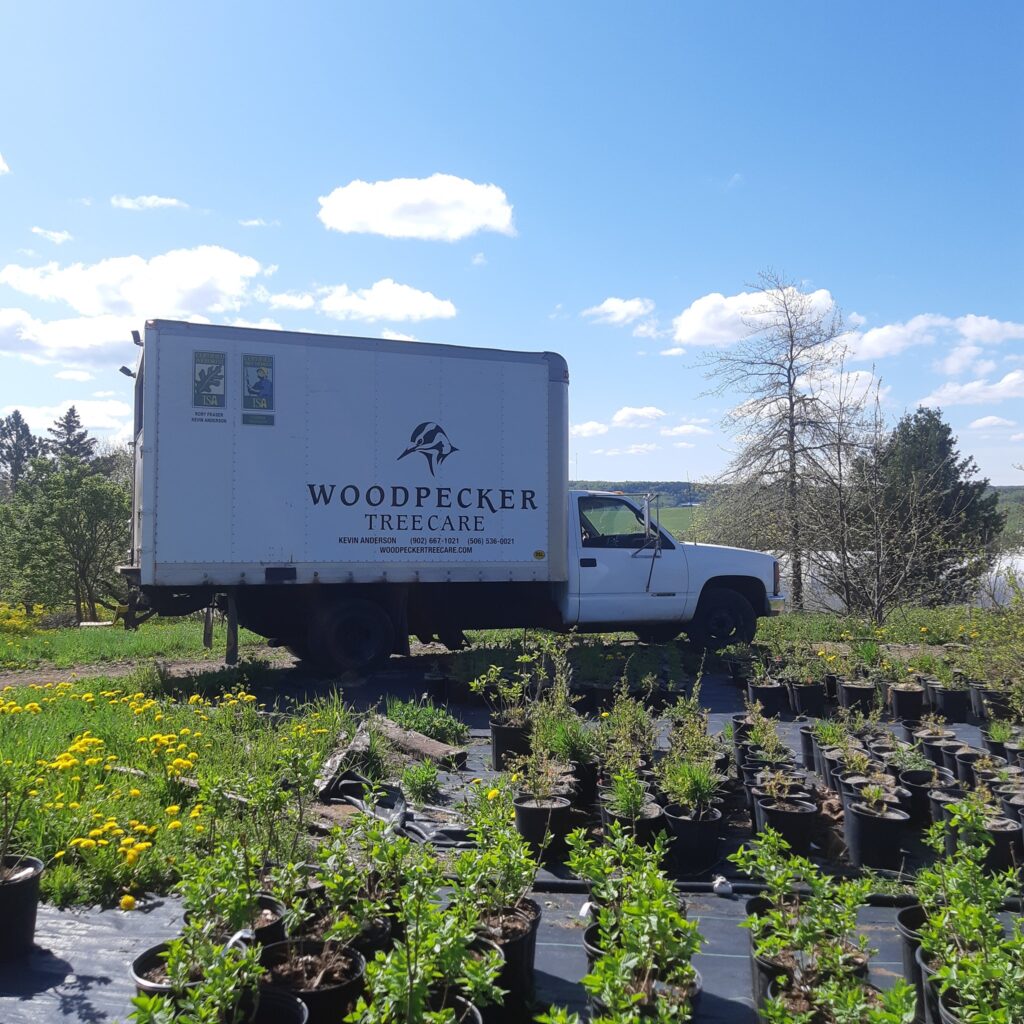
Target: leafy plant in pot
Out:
[952,698]
[509,702]
[794,819]
[804,928]
[492,883]
[628,802]
[439,969]
[692,787]
[19,874]
[906,698]
[874,830]
[559,731]
[542,810]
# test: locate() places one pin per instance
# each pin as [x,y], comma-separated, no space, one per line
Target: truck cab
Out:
[628,572]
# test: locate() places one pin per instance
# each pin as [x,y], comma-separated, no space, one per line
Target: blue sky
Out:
[171,162]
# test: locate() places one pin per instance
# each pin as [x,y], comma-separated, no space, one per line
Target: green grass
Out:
[677,520]
[65,648]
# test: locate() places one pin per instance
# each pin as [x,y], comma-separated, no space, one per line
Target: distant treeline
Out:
[672,493]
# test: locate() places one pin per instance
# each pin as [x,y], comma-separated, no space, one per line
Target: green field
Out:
[677,520]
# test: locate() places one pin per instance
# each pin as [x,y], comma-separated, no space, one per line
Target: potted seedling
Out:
[782,809]
[627,802]
[859,694]
[906,698]
[807,688]
[933,732]
[997,734]
[874,830]
[510,709]
[542,807]
[19,873]
[767,691]
[952,698]
[692,786]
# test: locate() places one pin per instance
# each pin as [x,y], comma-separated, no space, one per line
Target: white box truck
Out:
[338,494]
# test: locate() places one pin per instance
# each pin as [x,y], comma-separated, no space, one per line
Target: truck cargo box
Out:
[266,456]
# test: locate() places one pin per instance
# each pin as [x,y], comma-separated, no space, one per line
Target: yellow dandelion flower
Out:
[127,902]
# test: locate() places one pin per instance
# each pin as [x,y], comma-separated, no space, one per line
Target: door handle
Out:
[588,563]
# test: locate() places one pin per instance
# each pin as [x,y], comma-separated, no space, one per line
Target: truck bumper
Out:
[776,604]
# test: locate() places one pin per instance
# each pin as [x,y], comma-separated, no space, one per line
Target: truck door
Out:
[624,574]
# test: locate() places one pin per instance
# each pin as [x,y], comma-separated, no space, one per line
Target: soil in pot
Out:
[508,741]
[795,820]
[907,702]
[19,900]
[544,823]
[694,840]
[149,972]
[952,704]
[327,978]
[874,839]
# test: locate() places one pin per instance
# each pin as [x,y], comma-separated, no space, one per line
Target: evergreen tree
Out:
[69,439]
[18,447]
[921,454]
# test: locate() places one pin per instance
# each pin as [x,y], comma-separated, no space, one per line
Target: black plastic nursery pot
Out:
[508,741]
[908,727]
[931,744]
[144,963]
[858,696]
[995,703]
[907,703]
[19,899]
[874,840]
[918,782]
[965,759]
[949,749]
[278,1007]
[585,773]
[517,975]
[644,828]
[929,988]
[908,924]
[773,697]
[1013,751]
[953,704]
[808,699]
[465,1011]
[326,1003]
[994,747]
[807,747]
[543,823]
[694,840]
[795,820]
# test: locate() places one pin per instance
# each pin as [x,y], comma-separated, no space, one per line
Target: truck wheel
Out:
[657,635]
[351,636]
[723,617]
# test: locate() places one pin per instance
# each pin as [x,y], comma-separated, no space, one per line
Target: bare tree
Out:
[790,346]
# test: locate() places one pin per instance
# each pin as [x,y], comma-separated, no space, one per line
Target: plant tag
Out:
[585,909]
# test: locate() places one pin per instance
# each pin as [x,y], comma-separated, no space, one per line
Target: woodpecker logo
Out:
[430,440]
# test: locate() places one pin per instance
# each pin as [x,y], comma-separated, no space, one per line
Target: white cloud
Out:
[263,324]
[291,300]
[258,222]
[41,341]
[4,169]
[988,422]
[631,416]
[384,300]
[147,202]
[441,207]
[619,312]
[683,444]
[964,336]
[107,415]
[589,429]
[675,350]
[684,430]
[735,181]
[57,237]
[1017,437]
[391,335]
[716,319]
[633,449]
[79,375]
[479,260]
[977,392]
[959,360]
[892,339]
[179,283]
[856,320]
[648,329]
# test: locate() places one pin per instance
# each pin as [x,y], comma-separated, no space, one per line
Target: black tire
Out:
[351,636]
[655,635]
[723,617]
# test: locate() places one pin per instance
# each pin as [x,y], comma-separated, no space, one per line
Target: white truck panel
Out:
[286,449]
